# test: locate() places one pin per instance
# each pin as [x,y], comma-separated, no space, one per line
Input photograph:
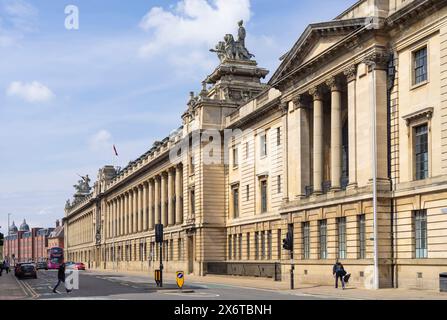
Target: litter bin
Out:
[443,282]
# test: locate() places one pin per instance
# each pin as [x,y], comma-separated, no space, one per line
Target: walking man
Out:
[339,273]
[61,277]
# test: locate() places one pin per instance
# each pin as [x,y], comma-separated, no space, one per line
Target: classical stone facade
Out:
[345,147]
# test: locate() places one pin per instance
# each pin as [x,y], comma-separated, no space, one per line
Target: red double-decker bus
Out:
[55,258]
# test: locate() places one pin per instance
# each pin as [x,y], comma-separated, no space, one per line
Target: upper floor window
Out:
[263,144]
[247,150]
[263,196]
[421,151]
[279,184]
[420,70]
[192,164]
[235,192]
[247,192]
[193,201]
[278,136]
[235,157]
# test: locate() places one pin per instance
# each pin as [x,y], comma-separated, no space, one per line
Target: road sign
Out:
[180,279]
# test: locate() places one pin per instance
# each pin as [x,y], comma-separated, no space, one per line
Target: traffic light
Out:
[287,243]
[1,239]
[159,233]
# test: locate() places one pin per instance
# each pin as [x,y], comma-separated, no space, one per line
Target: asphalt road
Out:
[100,286]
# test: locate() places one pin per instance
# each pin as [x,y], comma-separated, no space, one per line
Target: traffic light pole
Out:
[292,268]
[161,264]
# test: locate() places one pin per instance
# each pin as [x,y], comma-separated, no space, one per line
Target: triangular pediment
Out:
[316,39]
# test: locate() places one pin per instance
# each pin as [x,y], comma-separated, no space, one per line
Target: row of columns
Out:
[157,200]
[316,94]
[81,230]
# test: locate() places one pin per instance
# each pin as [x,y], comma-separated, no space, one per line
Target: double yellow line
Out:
[29,291]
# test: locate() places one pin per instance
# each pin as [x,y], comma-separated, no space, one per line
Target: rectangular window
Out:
[193,201]
[279,184]
[420,230]
[257,245]
[247,150]
[235,202]
[263,196]
[171,250]
[240,247]
[263,245]
[247,192]
[306,240]
[263,145]
[235,247]
[341,227]
[248,246]
[235,157]
[420,71]
[279,244]
[362,236]
[421,151]
[278,136]
[323,238]
[179,248]
[230,247]
[269,244]
[192,164]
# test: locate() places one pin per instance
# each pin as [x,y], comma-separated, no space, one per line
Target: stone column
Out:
[318,140]
[171,213]
[139,209]
[121,215]
[135,210]
[151,204]
[126,213]
[164,211]
[157,200]
[351,77]
[145,207]
[334,85]
[303,139]
[178,194]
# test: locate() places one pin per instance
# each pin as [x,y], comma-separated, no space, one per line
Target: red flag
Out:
[114,149]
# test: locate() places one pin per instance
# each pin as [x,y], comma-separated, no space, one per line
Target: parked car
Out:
[42,265]
[25,270]
[74,265]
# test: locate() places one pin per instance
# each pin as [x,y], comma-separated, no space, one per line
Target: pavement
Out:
[11,288]
[110,285]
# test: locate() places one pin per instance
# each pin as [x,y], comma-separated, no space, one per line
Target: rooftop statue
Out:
[231,49]
[83,186]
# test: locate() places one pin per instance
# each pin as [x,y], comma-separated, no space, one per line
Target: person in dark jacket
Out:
[60,277]
[339,273]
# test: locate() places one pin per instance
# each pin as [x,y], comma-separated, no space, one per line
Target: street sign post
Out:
[180,279]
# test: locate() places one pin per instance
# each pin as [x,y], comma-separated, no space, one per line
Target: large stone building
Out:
[345,146]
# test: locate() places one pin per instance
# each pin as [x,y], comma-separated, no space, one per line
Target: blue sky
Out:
[66,96]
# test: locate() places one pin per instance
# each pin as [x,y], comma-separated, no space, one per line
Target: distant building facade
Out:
[25,244]
[344,148]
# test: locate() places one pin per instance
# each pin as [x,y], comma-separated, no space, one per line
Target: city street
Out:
[110,286]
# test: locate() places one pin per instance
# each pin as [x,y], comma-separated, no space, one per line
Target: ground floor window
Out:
[420,234]
[323,238]
[306,240]
[341,227]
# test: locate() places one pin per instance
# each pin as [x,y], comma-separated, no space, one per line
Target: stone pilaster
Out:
[318,139]
[351,77]
[336,133]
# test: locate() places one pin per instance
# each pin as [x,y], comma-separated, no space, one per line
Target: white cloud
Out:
[30,92]
[101,141]
[191,27]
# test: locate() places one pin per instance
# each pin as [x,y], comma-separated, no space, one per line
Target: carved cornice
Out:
[426,113]
[351,73]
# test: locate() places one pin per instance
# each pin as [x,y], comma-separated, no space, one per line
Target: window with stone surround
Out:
[362,236]
[322,226]
[263,191]
[230,247]
[235,157]
[306,240]
[341,228]
[421,152]
[240,247]
[263,144]
[192,197]
[420,233]
[248,246]
[420,66]
[278,136]
[269,244]
[235,198]
[257,245]
[278,244]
